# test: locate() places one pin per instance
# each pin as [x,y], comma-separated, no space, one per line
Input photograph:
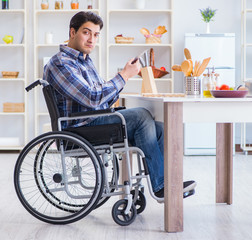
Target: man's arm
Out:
[68,80]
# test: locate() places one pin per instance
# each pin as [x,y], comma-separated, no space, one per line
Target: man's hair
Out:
[82,17]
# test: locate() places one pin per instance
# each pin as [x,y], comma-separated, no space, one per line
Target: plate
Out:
[229,93]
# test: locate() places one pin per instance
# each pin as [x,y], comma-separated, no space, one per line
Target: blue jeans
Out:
[148,135]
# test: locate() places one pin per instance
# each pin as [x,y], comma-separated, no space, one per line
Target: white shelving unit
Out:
[57,23]
[13,57]
[120,15]
[246,58]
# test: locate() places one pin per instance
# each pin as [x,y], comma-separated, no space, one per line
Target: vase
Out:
[208,27]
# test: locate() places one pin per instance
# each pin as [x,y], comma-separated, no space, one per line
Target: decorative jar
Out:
[44,4]
[75,4]
[58,4]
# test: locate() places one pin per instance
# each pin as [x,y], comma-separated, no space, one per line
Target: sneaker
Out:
[188,189]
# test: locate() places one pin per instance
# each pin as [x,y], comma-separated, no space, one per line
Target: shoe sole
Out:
[190,187]
[187,192]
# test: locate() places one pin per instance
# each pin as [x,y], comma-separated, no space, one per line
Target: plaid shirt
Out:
[78,86]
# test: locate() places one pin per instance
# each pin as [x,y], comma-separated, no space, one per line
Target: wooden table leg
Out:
[224,163]
[173,166]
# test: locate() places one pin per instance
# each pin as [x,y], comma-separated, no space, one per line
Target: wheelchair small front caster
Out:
[118,213]
[139,202]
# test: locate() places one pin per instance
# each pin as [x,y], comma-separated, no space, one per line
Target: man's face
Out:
[84,40]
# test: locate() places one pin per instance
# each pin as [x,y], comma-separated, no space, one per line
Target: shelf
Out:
[12,11]
[117,15]
[12,79]
[12,45]
[12,113]
[63,11]
[11,147]
[140,79]
[43,114]
[139,45]
[42,45]
[140,11]
[48,45]
[156,79]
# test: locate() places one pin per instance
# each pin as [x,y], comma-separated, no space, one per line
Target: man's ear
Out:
[72,32]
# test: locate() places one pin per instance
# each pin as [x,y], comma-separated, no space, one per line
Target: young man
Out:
[78,87]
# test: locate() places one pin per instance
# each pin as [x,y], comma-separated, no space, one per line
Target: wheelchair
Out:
[61,176]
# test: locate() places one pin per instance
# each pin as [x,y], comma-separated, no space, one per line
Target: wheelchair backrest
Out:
[51,106]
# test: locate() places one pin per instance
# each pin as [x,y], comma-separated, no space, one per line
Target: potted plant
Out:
[208,15]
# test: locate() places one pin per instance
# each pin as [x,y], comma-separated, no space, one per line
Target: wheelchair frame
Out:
[124,210]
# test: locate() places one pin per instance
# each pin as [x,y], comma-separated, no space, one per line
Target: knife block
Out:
[148,83]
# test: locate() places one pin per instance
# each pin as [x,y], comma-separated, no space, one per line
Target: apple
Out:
[224,87]
[163,68]
[8,39]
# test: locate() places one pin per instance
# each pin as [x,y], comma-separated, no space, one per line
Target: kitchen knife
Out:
[143,59]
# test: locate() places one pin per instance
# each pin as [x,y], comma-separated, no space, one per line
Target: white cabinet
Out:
[13,58]
[124,18]
[54,22]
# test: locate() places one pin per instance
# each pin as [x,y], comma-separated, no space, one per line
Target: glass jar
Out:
[5,4]
[58,4]
[207,85]
[89,4]
[44,4]
[217,80]
[75,4]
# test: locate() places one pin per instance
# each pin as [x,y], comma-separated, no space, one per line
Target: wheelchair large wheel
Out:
[59,177]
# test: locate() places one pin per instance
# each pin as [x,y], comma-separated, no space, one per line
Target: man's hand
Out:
[130,70]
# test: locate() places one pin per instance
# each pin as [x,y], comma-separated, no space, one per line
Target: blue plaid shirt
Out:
[78,86]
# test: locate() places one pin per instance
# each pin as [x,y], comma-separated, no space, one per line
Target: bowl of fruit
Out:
[157,72]
[225,91]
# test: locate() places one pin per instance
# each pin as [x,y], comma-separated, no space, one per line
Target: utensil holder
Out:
[192,85]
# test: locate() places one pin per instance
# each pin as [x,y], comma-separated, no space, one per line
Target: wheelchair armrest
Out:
[119,108]
[88,113]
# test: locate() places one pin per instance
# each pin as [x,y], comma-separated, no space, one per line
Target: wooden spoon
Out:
[195,68]
[177,68]
[186,66]
[191,64]
[187,53]
[203,66]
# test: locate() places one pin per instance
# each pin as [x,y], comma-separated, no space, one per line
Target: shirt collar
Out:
[73,53]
